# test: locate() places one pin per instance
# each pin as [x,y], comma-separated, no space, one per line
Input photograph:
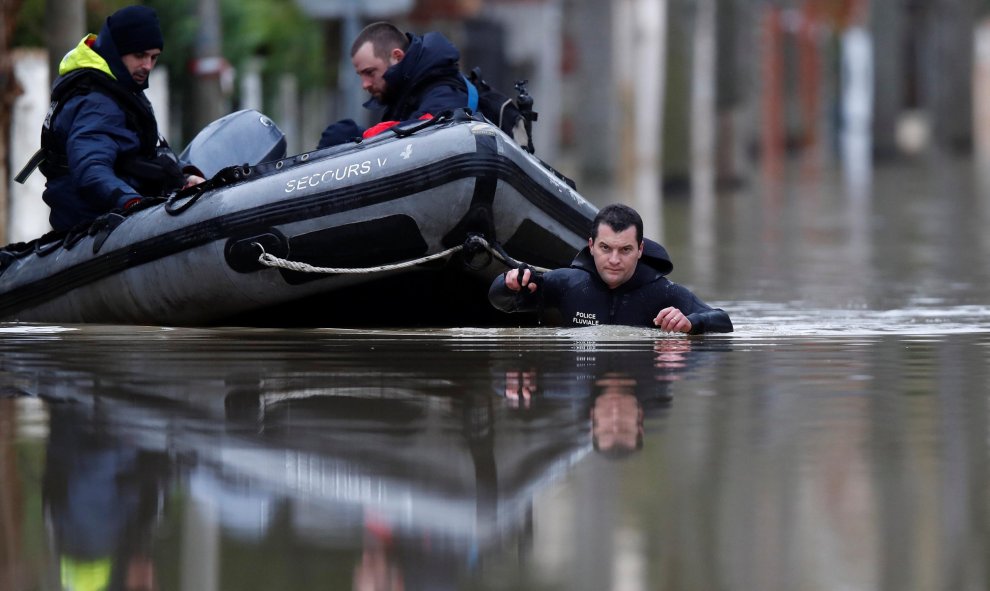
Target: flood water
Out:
[837,440]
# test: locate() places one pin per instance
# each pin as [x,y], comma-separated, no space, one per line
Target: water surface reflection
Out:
[391,456]
[587,459]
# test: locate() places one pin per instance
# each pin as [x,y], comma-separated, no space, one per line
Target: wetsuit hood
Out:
[656,256]
[654,264]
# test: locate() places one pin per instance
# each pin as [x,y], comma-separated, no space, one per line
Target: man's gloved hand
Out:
[523,277]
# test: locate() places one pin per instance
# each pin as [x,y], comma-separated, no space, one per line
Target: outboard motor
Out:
[242,137]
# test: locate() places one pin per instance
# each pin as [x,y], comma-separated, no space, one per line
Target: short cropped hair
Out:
[384,37]
[618,217]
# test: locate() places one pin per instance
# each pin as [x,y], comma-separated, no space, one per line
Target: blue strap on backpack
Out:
[472,94]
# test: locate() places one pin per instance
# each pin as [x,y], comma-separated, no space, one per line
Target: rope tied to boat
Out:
[474,242]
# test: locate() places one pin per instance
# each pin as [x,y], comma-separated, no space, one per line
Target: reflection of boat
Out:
[410,193]
[381,435]
[352,448]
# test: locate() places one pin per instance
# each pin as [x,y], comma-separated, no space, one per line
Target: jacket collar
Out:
[83,56]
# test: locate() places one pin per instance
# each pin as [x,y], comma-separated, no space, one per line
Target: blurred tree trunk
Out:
[946,69]
[207,100]
[736,33]
[9,89]
[772,125]
[887,20]
[65,25]
[640,30]
[594,112]
[703,116]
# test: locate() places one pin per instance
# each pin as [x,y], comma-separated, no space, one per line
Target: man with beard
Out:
[408,77]
[100,145]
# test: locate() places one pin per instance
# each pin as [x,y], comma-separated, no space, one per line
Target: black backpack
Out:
[513,116]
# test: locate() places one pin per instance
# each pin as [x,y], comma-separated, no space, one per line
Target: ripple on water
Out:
[759,319]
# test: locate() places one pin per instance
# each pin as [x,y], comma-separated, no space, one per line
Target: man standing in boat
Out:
[408,77]
[620,278]
[100,146]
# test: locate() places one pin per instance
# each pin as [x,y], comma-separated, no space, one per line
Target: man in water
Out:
[619,278]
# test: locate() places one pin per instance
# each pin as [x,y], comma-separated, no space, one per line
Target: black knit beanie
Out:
[135,29]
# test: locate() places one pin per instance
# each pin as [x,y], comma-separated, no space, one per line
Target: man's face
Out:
[371,68]
[616,254]
[140,64]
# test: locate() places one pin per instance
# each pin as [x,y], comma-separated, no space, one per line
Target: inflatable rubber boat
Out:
[404,229]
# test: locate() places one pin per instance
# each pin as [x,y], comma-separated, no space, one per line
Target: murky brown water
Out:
[836,440]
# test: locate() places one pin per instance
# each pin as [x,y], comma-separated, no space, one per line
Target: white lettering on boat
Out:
[335,174]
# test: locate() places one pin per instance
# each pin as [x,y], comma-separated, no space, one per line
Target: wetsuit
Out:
[427,81]
[101,142]
[582,298]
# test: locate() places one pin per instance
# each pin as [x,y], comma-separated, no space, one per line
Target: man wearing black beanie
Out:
[100,146]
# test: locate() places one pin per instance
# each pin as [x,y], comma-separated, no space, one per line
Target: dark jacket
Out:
[582,298]
[426,81]
[93,135]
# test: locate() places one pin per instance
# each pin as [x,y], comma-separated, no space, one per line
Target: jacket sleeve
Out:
[96,137]
[339,132]
[711,320]
[703,317]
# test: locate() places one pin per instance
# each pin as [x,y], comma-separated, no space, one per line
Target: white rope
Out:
[270,260]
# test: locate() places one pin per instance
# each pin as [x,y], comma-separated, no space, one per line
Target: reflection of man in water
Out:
[618,388]
[101,497]
[616,415]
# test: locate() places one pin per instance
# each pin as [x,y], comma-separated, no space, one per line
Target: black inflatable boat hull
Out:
[400,196]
